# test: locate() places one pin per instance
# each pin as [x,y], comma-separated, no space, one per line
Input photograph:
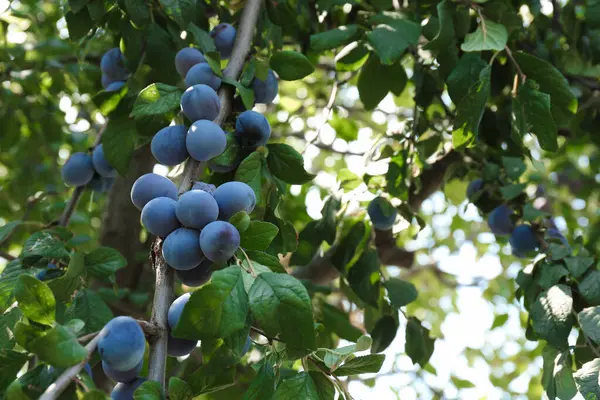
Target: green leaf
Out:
[346,250]
[466,72]
[537,115]
[7,229]
[241,221]
[338,322]
[91,309]
[180,11]
[334,37]
[79,24]
[43,244]
[156,99]
[530,213]
[370,363]
[267,260]
[488,36]
[149,390]
[589,320]
[300,386]
[203,39]
[208,379]
[445,35]
[324,387]
[514,167]
[400,292]
[348,179]
[419,346]
[287,164]
[512,191]
[216,309]
[64,286]
[499,320]
[250,172]
[383,333]
[364,277]
[94,394]
[104,262]
[550,275]
[391,38]
[551,315]
[577,266]
[8,279]
[586,379]
[58,347]
[281,306]
[119,140]
[470,111]
[290,65]
[138,11]
[77,5]
[259,235]
[376,80]
[35,299]
[589,287]
[11,363]
[551,81]
[246,94]
[8,320]
[179,389]
[263,385]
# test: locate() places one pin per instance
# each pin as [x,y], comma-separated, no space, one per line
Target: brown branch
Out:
[431,179]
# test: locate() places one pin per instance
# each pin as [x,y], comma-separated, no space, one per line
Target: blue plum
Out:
[252,129]
[200,102]
[51,272]
[100,184]
[181,249]
[112,65]
[207,187]
[265,91]
[233,197]
[159,217]
[474,187]
[196,209]
[124,391]
[114,86]
[523,239]
[101,165]
[205,140]
[555,234]
[88,369]
[500,220]
[224,37]
[122,343]
[122,376]
[186,58]
[230,158]
[382,213]
[178,347]
[246,346]
[219,240]
[202,74]
[151,186]
[78,170]
[168,145]
[196,276]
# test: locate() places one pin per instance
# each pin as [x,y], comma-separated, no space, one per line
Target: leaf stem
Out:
[252,271]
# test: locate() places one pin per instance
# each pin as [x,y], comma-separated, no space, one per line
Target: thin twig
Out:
[522,76]
[262,333]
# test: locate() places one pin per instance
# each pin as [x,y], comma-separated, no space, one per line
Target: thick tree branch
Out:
[431,179]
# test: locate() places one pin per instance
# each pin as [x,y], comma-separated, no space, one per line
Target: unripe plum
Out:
[205,140]
[219,240]
[200,102]
[112,65]
[207,187]
[523,239]
[78,170]
[181,249]
[101,165]
[202,74]
[224,37]
[252,129]
[122,376]
[151,186]
[196,209]
[159,217]
[124,391]
[265,91]
[500,221]
[197,276]
[186,58]
[233,197]
[168,145]
[382,213]
[178,347]
[122,343]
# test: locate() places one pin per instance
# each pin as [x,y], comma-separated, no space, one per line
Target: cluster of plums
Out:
[114,72]
[382,213]
[502,221]
[92,170]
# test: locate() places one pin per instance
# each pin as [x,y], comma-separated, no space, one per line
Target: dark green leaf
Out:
[8,279]
[349,246]
[8,229]
[11,362]
[445,35]
[488,36]
[203,39]
[589,320]
[138,10]
[287,164]
[466,72]
[400,292]
[267,260]
[537,113]
[530,213]
[376,80]
[58,347]
[577,266]
[514,167]
[334,38]
[43,244]
[510,192]
[79,24]
[586,379]
[35,299]
[419,346]
[249,172]
[104,262]
[324,387]
[589,287]
[391,38]
[149,390]
[290,65]
[383,333]
[364,277]
[64,286]
[8,320]
[179,389]
[338,322]
[119,140]
[551,315]
[370,363]
[550,275]
[300,386]
[263,385]
[91,309]
[259,235]
[207,379]
[78,5]
[180,11]
[156,99]
[470,111]
[241,221]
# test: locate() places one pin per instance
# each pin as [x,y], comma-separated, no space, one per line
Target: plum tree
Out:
[102,167]
[122,343]
[265,91]
[181,249]
[112,65]
[124,391]
[202,74]
[233,197]
[224,36]
[151,186]
[177,347]
[168,145]
[500,220]
[159,216]
[382,213]
[205,140]
[122,376]
[186,58]
[252,129]
[78,170]
[219,240]
[196,209]
[197,276]
[200,102]
[523,240]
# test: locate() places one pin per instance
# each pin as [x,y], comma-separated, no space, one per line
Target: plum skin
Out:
[124,391]
[186,58]
[382,213]
[101,165]
[207,187]
[500,221]
[159,217]
[122,376]
[181,249]
[177,347]
[122,343]
[219,240]
[200,102]
[252,129]
[112,65]
[224,36]
[205,140]
[233,197]
[265,91]
[474,187]
[151,186]
[196,209]
[202,74]
[523,239]
[78,170]
[168,145]
[197,276]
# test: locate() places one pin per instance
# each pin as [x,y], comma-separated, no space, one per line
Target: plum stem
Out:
[252,272]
